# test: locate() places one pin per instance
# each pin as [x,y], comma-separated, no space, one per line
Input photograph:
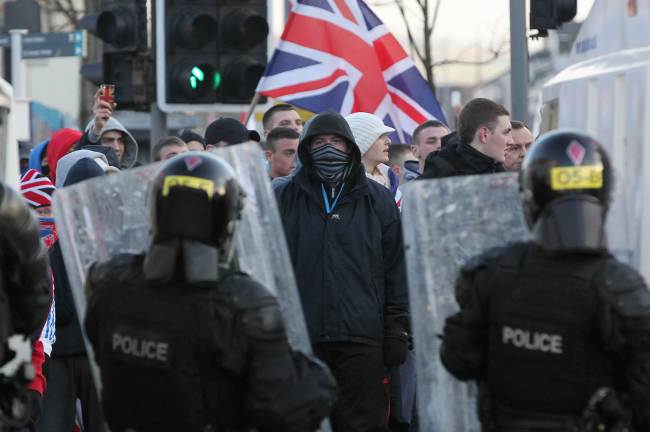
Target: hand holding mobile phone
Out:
[107,93]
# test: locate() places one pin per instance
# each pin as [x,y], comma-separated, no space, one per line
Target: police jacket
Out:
[25,292]
[349,264]
[542,333]
[457,158]
[175,356]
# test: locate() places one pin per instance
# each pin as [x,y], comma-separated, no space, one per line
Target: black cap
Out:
[83,169]
[229,130]
[187,136]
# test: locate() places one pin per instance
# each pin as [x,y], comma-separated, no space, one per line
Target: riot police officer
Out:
[25,298]
[556,330]
[184,342]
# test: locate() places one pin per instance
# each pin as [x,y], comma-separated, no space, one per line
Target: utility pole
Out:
[17,72]
[518,61]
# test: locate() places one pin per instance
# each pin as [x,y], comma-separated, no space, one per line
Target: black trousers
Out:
[69,379]
[362,378]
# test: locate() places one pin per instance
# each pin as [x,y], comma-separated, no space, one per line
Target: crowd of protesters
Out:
[356,311]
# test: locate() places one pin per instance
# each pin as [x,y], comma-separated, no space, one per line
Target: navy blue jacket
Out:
[349,265]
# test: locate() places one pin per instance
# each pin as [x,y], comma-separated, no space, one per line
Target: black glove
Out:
[396,344]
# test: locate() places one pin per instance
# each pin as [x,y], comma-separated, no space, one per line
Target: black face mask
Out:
[331,164]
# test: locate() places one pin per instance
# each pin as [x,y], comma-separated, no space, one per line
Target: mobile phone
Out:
[107,93]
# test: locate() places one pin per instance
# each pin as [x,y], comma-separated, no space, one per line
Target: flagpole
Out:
[251,108]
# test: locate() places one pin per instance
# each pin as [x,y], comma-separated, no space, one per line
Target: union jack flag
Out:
[336,54]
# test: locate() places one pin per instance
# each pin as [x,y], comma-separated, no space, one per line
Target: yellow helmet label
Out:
[188,182]
[577,177]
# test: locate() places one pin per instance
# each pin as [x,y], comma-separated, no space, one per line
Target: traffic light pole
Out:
[158,122]
[518,61]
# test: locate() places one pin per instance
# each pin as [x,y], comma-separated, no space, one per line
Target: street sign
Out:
[45,45]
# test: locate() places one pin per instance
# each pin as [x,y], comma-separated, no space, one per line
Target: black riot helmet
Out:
[196,203]
[565,184]
[196,196]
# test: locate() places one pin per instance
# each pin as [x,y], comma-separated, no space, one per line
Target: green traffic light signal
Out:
[197,76]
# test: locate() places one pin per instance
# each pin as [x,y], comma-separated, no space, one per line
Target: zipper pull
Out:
[333,192]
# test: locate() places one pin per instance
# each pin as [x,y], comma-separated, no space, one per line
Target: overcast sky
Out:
[460,22]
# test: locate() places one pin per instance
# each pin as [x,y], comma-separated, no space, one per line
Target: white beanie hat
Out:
[366,128]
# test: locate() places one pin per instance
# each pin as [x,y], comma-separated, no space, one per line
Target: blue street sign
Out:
[45,45]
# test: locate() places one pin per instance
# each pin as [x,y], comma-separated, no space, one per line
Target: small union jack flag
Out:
[336,54]
[36,189]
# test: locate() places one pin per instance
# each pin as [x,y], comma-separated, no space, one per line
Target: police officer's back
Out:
[186,344]
[25,297]
[556,331]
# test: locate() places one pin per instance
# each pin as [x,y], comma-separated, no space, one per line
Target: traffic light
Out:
[126,60]
[243,33]
[209,52]
[550,14]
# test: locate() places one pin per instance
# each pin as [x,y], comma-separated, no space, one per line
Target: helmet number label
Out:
[188,182]
[577,177]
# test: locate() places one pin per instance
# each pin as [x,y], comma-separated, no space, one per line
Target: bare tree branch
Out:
[434,20]
[408,30]
[64,7]
[494,55]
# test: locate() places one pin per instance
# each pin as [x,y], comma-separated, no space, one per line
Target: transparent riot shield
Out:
[446,222]
[103,217]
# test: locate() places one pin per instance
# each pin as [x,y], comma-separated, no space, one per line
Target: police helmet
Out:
[196,196]
[561,164]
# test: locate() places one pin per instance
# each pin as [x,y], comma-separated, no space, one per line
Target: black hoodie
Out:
[329,122]
[349,264]
[457,158]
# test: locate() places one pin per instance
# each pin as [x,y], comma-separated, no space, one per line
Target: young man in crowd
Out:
[402,162]
[106,130]
[282,144]
[167,148]
[345,239]
[427,138]
[484,132]
[516,151]
[227,131]
[194,141]
[281,115]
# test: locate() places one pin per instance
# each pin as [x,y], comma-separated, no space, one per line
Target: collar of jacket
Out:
[358,188]
[477,162]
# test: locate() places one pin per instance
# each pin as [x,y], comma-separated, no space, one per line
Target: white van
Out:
[606,93]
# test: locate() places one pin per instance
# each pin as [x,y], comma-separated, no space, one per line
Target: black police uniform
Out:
[541,334]
[25,293]
[544,325]
[185,344]
[25,297]
[176,356]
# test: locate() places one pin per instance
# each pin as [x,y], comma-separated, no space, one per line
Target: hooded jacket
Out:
[69,160]
[36,155]
[457,158]
[130,144]
[349,265]
[69,340]
[60,144]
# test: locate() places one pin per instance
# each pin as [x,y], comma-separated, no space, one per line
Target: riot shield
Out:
[446,222]
[100,218]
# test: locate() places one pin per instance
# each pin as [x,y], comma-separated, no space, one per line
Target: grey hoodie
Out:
[130,144]
[67,161]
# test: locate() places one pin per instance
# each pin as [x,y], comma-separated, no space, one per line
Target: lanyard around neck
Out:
[329,209]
